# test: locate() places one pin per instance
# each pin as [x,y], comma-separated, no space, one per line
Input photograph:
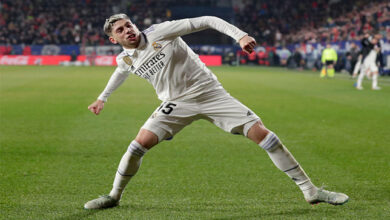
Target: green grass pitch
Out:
[55,155]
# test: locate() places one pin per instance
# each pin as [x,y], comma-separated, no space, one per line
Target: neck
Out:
[131,46]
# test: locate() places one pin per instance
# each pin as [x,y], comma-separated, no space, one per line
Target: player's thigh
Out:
[230,115]
[170,118]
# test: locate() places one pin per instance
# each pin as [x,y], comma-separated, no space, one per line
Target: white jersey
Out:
[371,57]
[166,61]
[369,64]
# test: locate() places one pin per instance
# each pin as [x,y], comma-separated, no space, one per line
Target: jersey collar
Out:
[141,45]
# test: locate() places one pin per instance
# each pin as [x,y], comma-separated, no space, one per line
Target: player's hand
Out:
[247,43]
[96,107]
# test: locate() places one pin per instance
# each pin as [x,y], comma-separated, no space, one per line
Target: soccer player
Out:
[189,91]
[328,59]
[365,42]
[369,67]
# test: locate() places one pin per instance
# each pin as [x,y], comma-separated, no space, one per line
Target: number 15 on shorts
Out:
[166,108]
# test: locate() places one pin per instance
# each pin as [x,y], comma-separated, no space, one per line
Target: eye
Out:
[119,30]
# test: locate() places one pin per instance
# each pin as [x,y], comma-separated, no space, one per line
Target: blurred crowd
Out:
[281,22]
[372,17]
[69,22]
[275,22]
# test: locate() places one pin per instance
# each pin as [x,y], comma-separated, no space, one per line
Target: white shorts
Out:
[217,107]
[370,67]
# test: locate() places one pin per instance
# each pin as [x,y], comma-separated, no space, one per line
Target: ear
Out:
[113,40]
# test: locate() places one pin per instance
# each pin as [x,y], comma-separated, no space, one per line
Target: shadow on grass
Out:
[226,212]
[216,213]
[81,214]
[294,213]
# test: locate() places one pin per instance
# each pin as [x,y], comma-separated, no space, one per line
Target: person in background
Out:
[365,42]
[352,58]
[328,59]
[283,54]
[369,66]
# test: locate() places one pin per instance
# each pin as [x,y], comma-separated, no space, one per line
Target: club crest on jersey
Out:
[156,46]
[127,60]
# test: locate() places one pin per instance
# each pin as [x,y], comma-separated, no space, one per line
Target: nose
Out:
[129,29]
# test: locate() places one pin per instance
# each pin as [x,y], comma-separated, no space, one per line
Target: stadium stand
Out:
[32,27]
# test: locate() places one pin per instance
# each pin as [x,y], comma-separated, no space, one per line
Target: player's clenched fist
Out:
[96,107]
[247,43]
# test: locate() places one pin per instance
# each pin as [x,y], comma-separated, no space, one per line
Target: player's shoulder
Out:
[155,27]
[156,30]
[122,60]
[119,57]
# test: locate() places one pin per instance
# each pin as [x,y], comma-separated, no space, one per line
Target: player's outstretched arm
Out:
[96,107]
[117,78]
[247,43]
[182,27]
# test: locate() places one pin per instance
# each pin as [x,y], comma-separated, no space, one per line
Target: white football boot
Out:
[333,198]
[102,202]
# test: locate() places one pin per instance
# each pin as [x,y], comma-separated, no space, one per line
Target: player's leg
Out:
[164,123]
[330,71]
[375,81]
[375,73]
[360,78]
[131,161]
[356,70]
[281,157]
[323,70]
[286,162]
[232,116]
[128,167]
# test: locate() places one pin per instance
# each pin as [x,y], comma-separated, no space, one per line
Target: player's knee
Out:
[137,149]
[257,132]
[270,142]
[146,138]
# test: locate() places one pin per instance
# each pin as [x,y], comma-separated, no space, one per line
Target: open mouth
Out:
[131,37]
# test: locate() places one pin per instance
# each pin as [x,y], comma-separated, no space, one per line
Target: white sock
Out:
[286,162]
[128,167]
[375,80]
[357,66]
[360,78]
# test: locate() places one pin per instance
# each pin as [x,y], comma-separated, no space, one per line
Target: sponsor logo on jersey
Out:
[127,60]
[152,66]
[156,46]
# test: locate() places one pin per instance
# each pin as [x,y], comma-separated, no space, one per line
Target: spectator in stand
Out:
[273,23]
[296,60]
[283,54]
[352,58]
[68,22]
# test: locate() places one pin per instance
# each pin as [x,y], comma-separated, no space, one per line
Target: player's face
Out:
[125,33]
